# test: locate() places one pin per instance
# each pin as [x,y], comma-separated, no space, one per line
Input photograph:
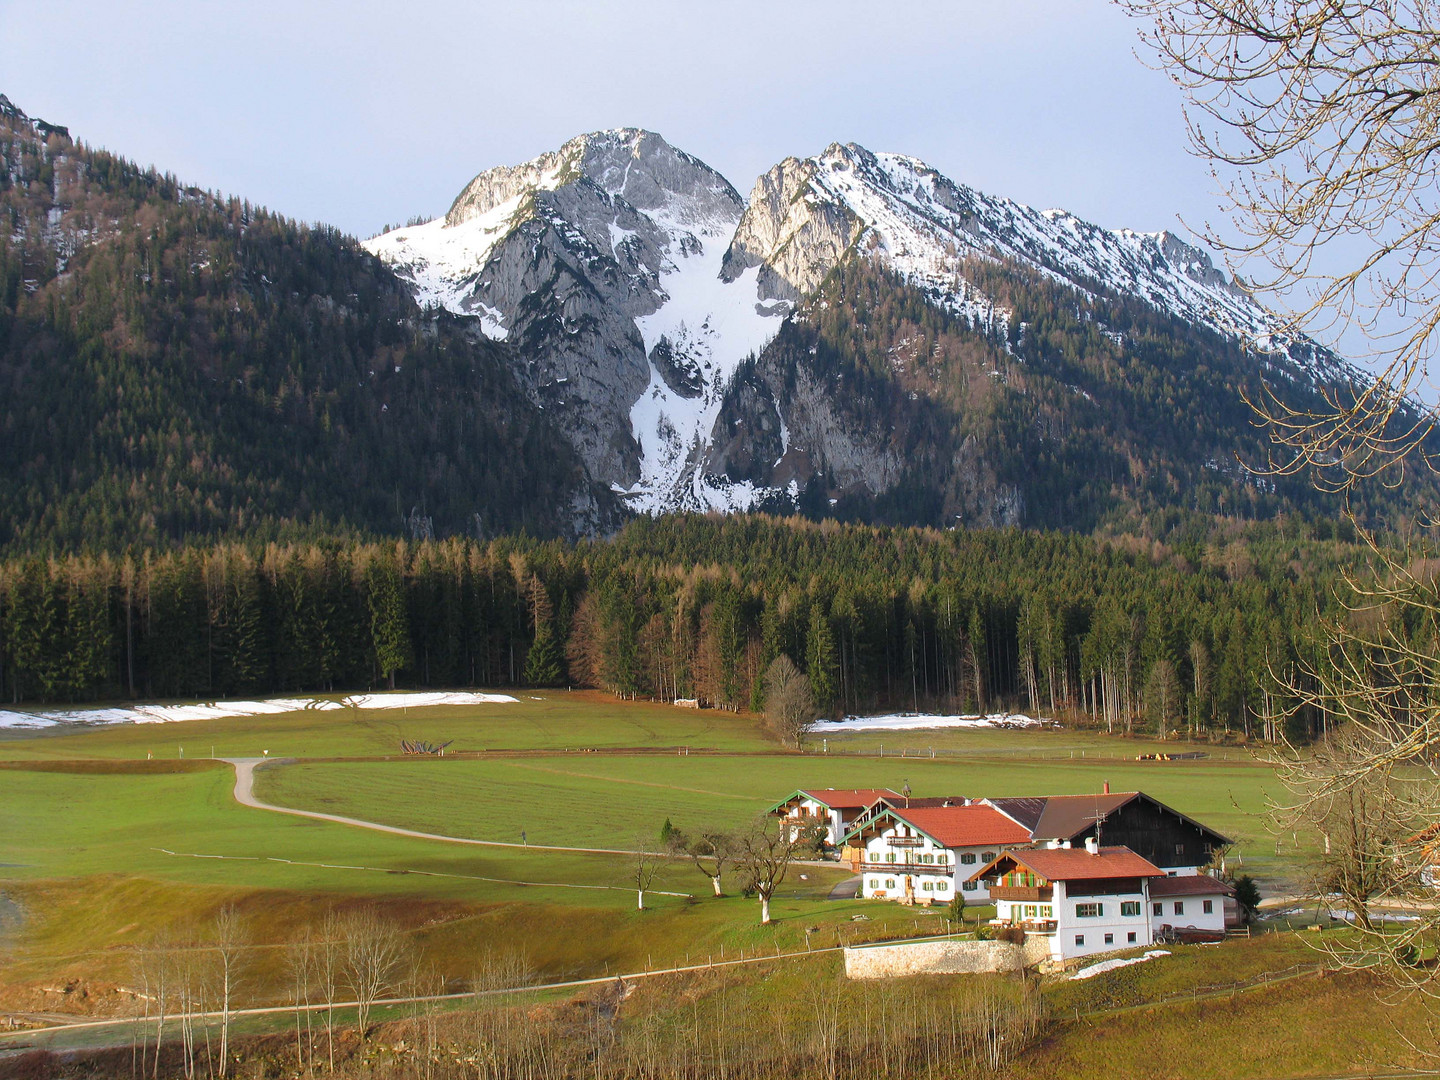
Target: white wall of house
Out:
[967,861]
[807,810]
[1086,924]
[1187,912]
[891,858]
[1093,924]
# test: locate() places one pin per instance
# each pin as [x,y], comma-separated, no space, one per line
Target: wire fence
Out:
[1207,993]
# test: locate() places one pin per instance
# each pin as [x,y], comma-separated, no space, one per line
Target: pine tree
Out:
[820,663]
[389,628]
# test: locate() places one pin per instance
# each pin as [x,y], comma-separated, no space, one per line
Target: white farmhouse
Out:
[833,809]
[924,854]
[1100,899]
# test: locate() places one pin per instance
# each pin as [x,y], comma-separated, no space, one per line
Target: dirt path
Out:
[245,795]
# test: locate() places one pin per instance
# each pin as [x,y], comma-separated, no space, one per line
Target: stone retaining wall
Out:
[942,958]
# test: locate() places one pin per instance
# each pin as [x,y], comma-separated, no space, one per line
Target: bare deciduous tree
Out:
[763,853]
[372,951]
[328,964]
[300,966]
[644,865]
[1328,111]
[711,852]
[230,938]
[1360,821]
[789,705]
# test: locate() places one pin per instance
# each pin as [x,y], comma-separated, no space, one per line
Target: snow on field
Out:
[222,710]
[912,721]
[1111,965]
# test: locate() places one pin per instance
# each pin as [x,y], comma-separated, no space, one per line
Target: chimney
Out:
[1107,787]
[1066,845]
[1053,845]
[1092,845]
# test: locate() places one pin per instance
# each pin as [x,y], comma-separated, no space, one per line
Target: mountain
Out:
[601,264]
[611,329]
[861,336]
[175,364]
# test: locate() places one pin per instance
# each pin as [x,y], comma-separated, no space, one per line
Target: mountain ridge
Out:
[616,331]
[804,218]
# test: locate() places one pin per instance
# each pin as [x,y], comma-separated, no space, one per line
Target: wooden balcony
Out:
[1042,894]
[1038,926]
[935,869]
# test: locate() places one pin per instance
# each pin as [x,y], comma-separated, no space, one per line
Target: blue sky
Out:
[361,113]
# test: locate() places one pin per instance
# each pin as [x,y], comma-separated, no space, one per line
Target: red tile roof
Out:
[964,826]
[848,798]
[1190,885]
[1077,864]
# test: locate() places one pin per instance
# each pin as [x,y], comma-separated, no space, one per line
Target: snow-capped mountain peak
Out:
[804,215]
[635,281]
[603,258]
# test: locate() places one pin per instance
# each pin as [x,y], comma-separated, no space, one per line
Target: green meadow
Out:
[108,836]
[594,800]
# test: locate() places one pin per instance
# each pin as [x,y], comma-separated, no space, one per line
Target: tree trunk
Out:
[715,881]
[764,909]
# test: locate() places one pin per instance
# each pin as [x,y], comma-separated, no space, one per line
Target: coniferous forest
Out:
[1194,634]
[215,423]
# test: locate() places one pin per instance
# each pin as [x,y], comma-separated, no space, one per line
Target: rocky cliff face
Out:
[600,264]
[634,285]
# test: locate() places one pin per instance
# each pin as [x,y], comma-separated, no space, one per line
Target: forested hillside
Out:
[1125,632]
[1084,410]
[178,364]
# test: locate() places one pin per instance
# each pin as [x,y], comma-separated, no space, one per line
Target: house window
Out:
[1079,939]
[1046,911]
[1159,909]
[942,886]
[927,887]
[989,856]
[970,886]
[1109,939]
[968,858]
[1130,937]
[1179,907]
[1209,906]
[889,856]
[1031,911]
[1179,849]
[889,883]
[874,883]
[1130,907]
[1089,911]
[944,859]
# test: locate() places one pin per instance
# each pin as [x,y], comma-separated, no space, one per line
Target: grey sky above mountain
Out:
[365,113]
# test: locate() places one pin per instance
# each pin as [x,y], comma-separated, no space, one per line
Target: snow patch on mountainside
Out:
[714,326]
[924,224]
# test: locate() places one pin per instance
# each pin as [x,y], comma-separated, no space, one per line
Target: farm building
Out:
[1095,899]
[833,809]
[1129,819]
[924,853]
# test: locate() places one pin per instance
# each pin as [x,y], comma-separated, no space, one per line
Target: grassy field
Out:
[602,800]
[107,834]
[553,721]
